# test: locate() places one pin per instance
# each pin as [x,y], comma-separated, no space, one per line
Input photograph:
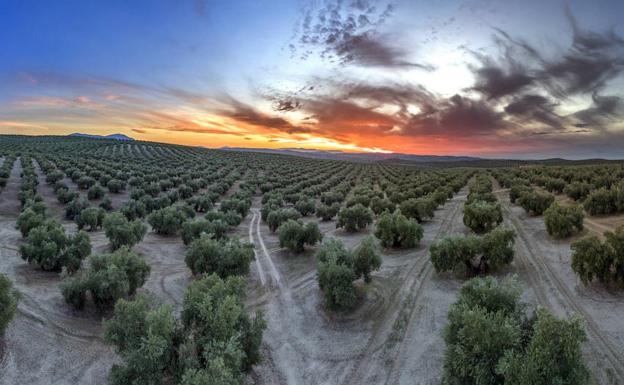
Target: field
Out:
[392,335]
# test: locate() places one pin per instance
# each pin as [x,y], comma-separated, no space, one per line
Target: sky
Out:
[490,78]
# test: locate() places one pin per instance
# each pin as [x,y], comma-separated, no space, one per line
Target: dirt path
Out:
[46,343]
[305,344]
[9,195]
[401,356]
[554,293]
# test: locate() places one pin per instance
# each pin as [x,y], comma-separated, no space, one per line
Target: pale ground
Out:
[393,337]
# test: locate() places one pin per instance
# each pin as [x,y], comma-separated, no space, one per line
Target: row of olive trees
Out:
[474,254]
[593,258]
[214,341]
[339,267]
[491,339]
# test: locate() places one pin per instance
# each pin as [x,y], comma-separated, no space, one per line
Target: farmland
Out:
[317,271]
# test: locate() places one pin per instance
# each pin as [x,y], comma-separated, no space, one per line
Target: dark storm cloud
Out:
[347,33]
[458,116]
[605,109]
[243,113]
[494,82]
[535,108]
[586,66]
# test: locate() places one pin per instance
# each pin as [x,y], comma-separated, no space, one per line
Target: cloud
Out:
[604,109]
[535,108]
[348,33]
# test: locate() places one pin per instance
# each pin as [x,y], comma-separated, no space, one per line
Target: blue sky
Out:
[491,78]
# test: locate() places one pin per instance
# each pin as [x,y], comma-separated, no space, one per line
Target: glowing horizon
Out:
[461,78]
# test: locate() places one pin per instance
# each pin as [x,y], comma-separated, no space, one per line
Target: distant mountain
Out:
[111,136]
[355,156]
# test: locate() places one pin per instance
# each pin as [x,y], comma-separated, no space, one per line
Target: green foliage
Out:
[477,255]
[336,281]
[146,341]
[326,212]
[95,192]
[28,220]
[379,205]
[108,278]
[518,190]
[396,230]
[193,228]
[133,209]
[338,268]
[454,250]
[294,235]
[116,186]
[167,221]
[421,209]
[223,257]
[365,258]
[563,221]
[490,339]
[481,216]
[577,190]
[281,215]
[241,206]
[595,259]
[50,248]
[601,201]
[75,207]
[93,217]
[305,206]
[555,185]
[354,218]
[121,232]
[8,303]
[553,355]
[535,202]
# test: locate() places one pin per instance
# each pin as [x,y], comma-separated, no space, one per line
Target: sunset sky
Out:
[523,79]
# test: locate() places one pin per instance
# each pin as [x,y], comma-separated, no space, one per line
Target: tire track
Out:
[426,274]
[275,275]
[531,259]
[256,256]
[419,273]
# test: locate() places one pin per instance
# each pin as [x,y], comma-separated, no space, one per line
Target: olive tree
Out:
[354,218]
[194,228]
[108,278]
[281,215]
[93,217]
[601,260]
[167,221]
[365,258]
[28,220]
[476,255]
[420,209]
[305,206]
[327,212]
[51,249]
[95,192]
[222,257]
[535,202]
[482,216]
[122,232]
[396,230]
[601,201]
[8,303]
[491,339]
[563,221]
[294,235]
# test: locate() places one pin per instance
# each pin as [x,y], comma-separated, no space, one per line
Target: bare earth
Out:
[393,337]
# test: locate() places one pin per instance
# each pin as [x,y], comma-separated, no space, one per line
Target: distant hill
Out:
[111,136]
[355,156]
